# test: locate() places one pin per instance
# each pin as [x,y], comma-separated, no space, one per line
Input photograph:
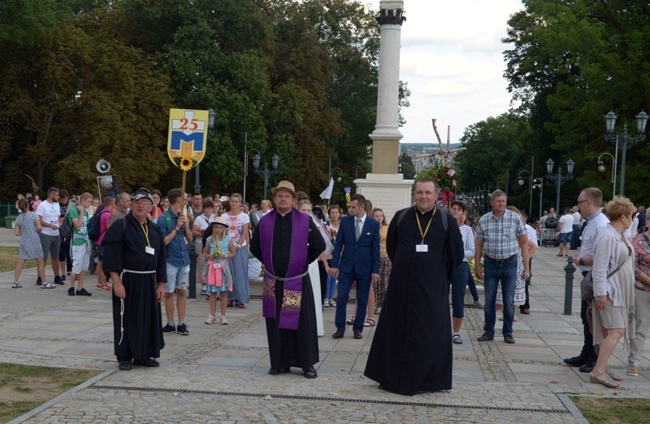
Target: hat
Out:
[224,198]
[285,185]
[142,193]
[220,221]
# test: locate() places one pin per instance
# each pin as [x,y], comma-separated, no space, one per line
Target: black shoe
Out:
[83,292]
[169,328]
[125,366]
[338,335]
[486,337]
[576,361]
[39,281]
[147,363]
[71,291]
[277,372]
[357,334]
[508,339]
[58,280]
[588,366]
[182,329]
[310,372]
[63,278]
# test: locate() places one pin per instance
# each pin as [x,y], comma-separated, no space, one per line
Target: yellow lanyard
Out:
[417,218]
[145,230]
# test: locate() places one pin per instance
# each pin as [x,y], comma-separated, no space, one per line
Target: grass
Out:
[24,387]
[9,257]
[613,411]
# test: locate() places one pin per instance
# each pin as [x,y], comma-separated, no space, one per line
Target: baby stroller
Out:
[549,232]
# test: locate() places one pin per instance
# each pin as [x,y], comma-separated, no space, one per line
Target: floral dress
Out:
[30,241]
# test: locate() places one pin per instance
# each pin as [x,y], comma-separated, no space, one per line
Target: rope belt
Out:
[286,278]
[128,271]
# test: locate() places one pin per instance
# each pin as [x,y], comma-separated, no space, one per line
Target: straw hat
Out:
[285,185]
[220,221]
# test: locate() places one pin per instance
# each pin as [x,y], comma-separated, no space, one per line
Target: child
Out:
[216,274]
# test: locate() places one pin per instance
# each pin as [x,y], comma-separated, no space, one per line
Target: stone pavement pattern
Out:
[219,373]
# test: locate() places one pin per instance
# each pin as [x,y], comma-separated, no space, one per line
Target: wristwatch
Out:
[581,262]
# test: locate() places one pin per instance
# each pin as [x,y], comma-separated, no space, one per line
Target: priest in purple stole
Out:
[287,241]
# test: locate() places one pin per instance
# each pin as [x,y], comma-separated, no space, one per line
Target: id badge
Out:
[150,250]
[422,248]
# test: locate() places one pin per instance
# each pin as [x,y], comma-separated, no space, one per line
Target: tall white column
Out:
[386,136]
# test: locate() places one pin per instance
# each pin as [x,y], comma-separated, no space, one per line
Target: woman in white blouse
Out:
[460,277]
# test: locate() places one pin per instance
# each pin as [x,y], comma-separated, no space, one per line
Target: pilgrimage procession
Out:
[239,212]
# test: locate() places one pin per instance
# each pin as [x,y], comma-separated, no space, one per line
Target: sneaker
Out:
[478,304]
[326,303]
[203,292]
[456,338]
[63,277]
[223,320]
[169,328]
[182,329]
[47,286]
[211,320]
[58,280]
[39,281]
[71,291]
[332,303]
[16,285]
[83,292]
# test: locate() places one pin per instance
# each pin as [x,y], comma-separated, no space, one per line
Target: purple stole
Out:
[292,295]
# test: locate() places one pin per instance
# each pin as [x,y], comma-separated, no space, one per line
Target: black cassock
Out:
[412,348]
[291,348]
[124,249]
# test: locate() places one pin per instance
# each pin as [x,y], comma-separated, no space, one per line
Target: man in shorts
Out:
[49,212]
[175,229]
[80,244]
[565,227]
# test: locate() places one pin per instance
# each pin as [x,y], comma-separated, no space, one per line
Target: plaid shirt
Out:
[500,235]
[641,258]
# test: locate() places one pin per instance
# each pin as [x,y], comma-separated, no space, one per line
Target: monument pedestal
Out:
[390,192]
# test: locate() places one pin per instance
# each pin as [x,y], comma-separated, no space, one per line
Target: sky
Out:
[452,60]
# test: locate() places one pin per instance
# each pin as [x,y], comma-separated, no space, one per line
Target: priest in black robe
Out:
[412,348]
[134,258]
[287,241]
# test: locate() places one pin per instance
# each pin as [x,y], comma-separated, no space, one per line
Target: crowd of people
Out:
[304,252]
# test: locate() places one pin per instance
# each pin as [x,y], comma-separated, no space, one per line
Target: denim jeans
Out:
[575,238]
[506,274]
[458,282]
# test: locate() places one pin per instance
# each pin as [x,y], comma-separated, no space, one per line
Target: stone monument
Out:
[385,187]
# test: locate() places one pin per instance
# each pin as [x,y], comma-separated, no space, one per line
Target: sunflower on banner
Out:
[445,182]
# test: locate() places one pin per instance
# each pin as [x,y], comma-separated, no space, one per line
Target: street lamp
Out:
[266,172]
[520,181]
[559,179]
[539,183]
[211,118]
[602,168]
[628,141]
[340,175]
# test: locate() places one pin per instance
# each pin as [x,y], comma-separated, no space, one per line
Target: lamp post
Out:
[601,168]
[539,183]
[520,181]
[559,179]
[266,172]
[627,141]
[332,173]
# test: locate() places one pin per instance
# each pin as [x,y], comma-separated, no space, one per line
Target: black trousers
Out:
[588,349]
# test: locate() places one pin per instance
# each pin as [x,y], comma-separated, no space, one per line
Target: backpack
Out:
[66,228]
[93,226]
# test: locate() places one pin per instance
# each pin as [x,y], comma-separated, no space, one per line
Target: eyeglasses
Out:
[581,201]
[142,202]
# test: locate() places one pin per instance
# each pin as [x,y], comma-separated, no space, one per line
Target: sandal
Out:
[16,285]
[370,322]
[603,379]
[456,339]
[633,371]
[350,321]
[240,305]
[104,287]
[559,255]
[613,376]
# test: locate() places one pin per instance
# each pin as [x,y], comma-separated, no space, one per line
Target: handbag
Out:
[587,284]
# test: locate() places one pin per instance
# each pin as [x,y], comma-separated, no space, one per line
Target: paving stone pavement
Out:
[218,374]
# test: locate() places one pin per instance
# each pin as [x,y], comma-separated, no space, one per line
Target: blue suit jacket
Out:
[360,256]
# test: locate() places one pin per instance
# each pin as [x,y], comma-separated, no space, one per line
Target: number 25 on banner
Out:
[187,138]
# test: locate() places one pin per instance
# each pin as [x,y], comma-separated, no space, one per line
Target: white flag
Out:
[327,193]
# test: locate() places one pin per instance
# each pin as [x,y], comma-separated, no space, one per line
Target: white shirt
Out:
[468,242]
[532,234]
[595,224]
[50,213]
[576,218]
[202,222]
[567,224]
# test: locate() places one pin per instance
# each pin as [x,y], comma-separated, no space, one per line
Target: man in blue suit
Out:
[355,258]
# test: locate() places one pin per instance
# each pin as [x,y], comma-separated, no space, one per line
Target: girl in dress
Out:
[384,261]
[216,275]
[238,226]
[28,226]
